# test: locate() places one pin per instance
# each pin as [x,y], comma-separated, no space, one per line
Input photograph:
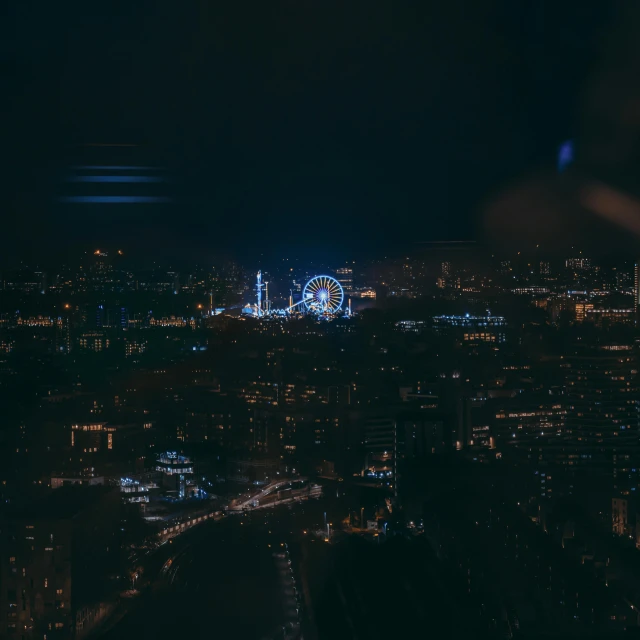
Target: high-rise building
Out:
[56,556]
[624,280]
[527,418]
[636,285]
[600,438]
[63,342]
[101,317]
[605,318]
[390,440]
[177,473]
[562,306]
[25,280]
[578,264]
[134,346]
[380,445]
[620,516]
[472,329]
[93,341]
[602,392]
[582,308]
[344,275]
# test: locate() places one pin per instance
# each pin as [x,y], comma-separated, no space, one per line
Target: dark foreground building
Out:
[55,562]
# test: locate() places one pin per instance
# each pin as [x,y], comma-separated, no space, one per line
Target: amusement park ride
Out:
[322,296]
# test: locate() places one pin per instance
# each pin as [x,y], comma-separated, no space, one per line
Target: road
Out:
[355,589]
[223,581]
[254,573]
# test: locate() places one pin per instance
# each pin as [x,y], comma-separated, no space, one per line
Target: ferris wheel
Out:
[323,294]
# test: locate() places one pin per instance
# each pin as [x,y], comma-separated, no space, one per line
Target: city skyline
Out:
[320,320]
[197,414]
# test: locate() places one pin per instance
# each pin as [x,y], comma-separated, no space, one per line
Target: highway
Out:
[279,492]
[262,575]
[223,581]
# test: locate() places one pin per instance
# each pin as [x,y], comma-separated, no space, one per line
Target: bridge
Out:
[278,492]
[180,525]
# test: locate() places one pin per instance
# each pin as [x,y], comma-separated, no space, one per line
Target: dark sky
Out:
[289,122]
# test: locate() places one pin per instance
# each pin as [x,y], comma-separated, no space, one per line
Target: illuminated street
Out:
[223,578]
[252,575]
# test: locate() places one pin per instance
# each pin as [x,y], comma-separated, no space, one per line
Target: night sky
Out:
[306,124]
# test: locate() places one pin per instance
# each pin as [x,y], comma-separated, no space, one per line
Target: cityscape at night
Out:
[320,322]
[444,403]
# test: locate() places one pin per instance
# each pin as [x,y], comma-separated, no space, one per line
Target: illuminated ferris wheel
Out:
[323,294]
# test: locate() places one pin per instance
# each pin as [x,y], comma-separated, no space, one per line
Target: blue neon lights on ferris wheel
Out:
[323,294]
